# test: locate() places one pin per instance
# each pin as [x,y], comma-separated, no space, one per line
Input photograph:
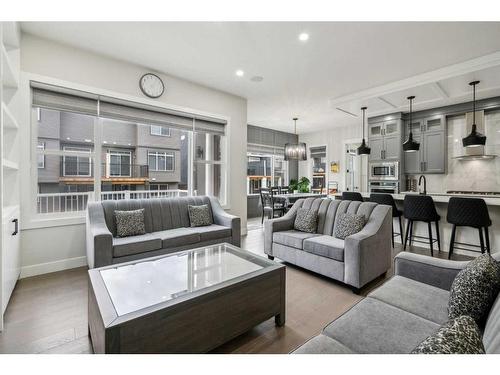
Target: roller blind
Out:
[64,102]
[63,99]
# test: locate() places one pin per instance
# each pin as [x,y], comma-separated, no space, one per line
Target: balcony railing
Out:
[82,168]
[74,202]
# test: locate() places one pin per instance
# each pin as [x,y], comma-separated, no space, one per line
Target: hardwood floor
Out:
[48,313]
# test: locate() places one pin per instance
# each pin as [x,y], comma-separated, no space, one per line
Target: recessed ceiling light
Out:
[257,79]
[303,37]
[240,73]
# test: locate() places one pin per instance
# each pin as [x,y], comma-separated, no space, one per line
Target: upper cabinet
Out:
[430,132]
[384,138]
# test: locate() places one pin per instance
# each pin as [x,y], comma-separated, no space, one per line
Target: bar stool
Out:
[421,208]
[469,212]
[352,196]
[387,199]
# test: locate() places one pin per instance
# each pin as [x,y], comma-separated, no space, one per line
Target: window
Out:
[160,130]
[161,161]
[130,162]
[77,165]
[40,156]
[265,171]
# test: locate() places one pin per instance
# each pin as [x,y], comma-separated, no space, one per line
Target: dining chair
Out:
[269,206]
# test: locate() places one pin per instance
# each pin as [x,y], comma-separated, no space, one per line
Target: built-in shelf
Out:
[9,165]
[10,79]
[10,123]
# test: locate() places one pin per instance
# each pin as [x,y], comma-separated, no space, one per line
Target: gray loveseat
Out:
[403,312]
[167,229]
[355,261]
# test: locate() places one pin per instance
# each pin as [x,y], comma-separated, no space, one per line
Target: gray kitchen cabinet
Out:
[434,152]
[431,134]
[375,130]
[392,147]
[377,148]
[391,128]
[413,162]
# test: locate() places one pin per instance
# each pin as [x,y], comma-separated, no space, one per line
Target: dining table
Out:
[289,199]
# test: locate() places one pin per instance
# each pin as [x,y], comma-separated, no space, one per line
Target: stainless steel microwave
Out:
[384,171]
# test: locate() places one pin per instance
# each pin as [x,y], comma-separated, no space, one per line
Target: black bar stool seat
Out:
[421,208]
[352,196]
[469,212]
[388,200]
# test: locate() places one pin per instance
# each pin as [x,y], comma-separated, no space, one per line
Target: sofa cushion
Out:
[123,246]
[491,336]
[325,246]
[474,289]
[372,326]
[322,344]
[292,238]
[130,223]
[349,224]
[459,336]
[415,297]
[178,237]
[212,232]
[306,220]
[200,216]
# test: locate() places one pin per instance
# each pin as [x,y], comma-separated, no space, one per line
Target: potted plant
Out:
[294,185]
[303,185]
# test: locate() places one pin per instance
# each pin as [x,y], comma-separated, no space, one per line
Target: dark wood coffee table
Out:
[186,302]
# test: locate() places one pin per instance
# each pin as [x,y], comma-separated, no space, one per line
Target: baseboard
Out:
[58,265]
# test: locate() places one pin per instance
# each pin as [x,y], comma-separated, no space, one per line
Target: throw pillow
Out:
[306,220]
[199,216]
[459,336]
[474,289]
[348,224]
[130,223]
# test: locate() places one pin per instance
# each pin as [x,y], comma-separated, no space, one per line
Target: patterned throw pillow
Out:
[130,223]
[199,216]
[459,336]
[306,220]
[474,289]
[348,224]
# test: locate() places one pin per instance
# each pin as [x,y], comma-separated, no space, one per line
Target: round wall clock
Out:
[151,85]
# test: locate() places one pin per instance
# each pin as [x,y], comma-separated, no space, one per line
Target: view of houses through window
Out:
[136,160]
[265,171]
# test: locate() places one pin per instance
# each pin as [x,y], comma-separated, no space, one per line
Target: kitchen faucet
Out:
[425,184]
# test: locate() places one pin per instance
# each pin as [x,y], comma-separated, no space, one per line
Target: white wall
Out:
[48,248]
[334,140]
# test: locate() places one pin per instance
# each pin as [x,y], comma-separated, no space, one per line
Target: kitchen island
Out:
[463,236]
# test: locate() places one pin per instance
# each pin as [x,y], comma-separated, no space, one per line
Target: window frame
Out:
[151,127]
[40,148]
[166,154]
[78,150]
[120,153]
[273,158]
[33,220]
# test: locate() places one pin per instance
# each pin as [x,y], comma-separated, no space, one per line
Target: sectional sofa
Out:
[355,261]
[167,229]
[404,311]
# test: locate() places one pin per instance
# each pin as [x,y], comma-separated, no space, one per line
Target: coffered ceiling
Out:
[342,66]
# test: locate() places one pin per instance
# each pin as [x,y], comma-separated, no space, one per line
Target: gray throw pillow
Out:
[458,336]
[348,224]
[130,223]
[475,289]
[306,220]
[199,216]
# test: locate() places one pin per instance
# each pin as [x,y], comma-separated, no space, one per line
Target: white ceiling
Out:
[343,65]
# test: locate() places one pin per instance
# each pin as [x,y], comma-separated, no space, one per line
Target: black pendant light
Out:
[363,149]
[295,151]
[410,145]
[474,139]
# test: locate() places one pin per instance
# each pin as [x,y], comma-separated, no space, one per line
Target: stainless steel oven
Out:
[384,171]
[389,187]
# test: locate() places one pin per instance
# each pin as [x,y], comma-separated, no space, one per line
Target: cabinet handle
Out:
[381,154]
[16,226]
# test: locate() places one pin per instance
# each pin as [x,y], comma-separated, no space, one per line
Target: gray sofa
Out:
[167,229]
[355,261]
[403,312]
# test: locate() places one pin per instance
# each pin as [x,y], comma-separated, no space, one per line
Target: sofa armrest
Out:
[221,217]
[99,240]
[367,254]
[432,271]
[278,225]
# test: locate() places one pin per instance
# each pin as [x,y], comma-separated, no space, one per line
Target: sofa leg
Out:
[355,290]
[270,257]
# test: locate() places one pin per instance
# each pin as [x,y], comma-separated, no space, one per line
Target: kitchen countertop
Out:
[439,197]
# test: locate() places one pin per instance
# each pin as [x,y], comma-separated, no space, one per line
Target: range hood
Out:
[479,152]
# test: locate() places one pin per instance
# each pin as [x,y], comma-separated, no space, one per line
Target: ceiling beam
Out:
[440,91]
[385,101]
[346,112]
